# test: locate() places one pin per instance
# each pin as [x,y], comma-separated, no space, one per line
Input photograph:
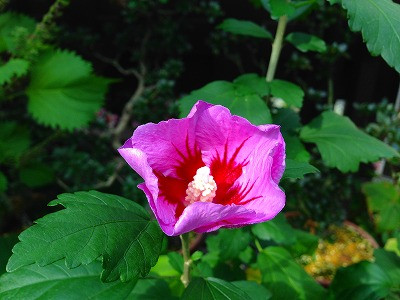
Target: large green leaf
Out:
[228,243]
[254,82]
[306,42]
[277,230]
[14,140]
[241,99]
[292,94]
[253,289]
[247,28]
[367,280]
[213,289]
[10,23]
[63,91]
[56,281]
[383,199]
[6,244]
[297,169]
[285,278]
[93,224]
[342,144]
[15,67]
[379,23]
[280,8]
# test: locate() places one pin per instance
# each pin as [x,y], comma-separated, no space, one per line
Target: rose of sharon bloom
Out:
[209,170]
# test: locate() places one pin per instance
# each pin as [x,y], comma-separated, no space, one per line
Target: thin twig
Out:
[111,179]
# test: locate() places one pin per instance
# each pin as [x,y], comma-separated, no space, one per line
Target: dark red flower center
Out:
[225,171]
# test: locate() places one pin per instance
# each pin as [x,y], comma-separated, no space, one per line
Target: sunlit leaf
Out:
[93,224]
[306,42]
[13,68]
[342,144]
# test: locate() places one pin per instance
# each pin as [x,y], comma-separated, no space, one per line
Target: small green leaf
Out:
[14,140]
[228,243]
[240,99]
[297,169]
[3,182]
[306,42]
[213,289]
[254,82]
[176,261]
[36,175]
[286,279]
[295,150]
[306,243]
[292,94]
[63,92]
[10,22]
[379,23]
[93,224]
[56,281]
[253,289]
[280,8]
[247,28]
[15,67]
[383,198]
[367,280]
[277,230]
[342,144]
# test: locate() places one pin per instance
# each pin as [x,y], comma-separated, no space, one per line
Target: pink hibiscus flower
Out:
[209,170]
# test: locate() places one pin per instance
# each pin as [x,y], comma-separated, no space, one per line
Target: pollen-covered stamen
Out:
[202,188]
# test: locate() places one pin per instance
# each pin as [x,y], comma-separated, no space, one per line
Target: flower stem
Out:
[185,278]
[276,48]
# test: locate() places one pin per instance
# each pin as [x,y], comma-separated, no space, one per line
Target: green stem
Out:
[276,48]
[185,278]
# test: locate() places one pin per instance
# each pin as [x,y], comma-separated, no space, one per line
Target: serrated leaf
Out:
[292,94]
[6,244]
[240,99]
[254,290]
[306,42]
[286,279]
[383,198]
[3,182]
[379,23]
[213,289]
[93,224]
[342,144]
[247,28]
[56,281]
[63,92]
[228,243]
[9,24]
[297,169]
[36,175]
[14,141]
[277,230]
[367,280]
[15,67]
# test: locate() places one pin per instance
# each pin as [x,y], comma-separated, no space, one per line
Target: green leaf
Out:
[379,23]
[306,42]
[253,289]
[150,289]
[176,261]
[306,243]
[36,175]
[164,268]
[240,99]
[342,144]
[6,244]
[3,182]
[10,23]
[213,289]
[254,82]
[247,28]
[383,198]
[288,119]
[277,230]
[280,8]
[285,278]
[367,280]
[292,94]
[297,169]
[228,243]
[15,67]
[295,150]
[62,85]
[14,140]
[93,224]
[55,281]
